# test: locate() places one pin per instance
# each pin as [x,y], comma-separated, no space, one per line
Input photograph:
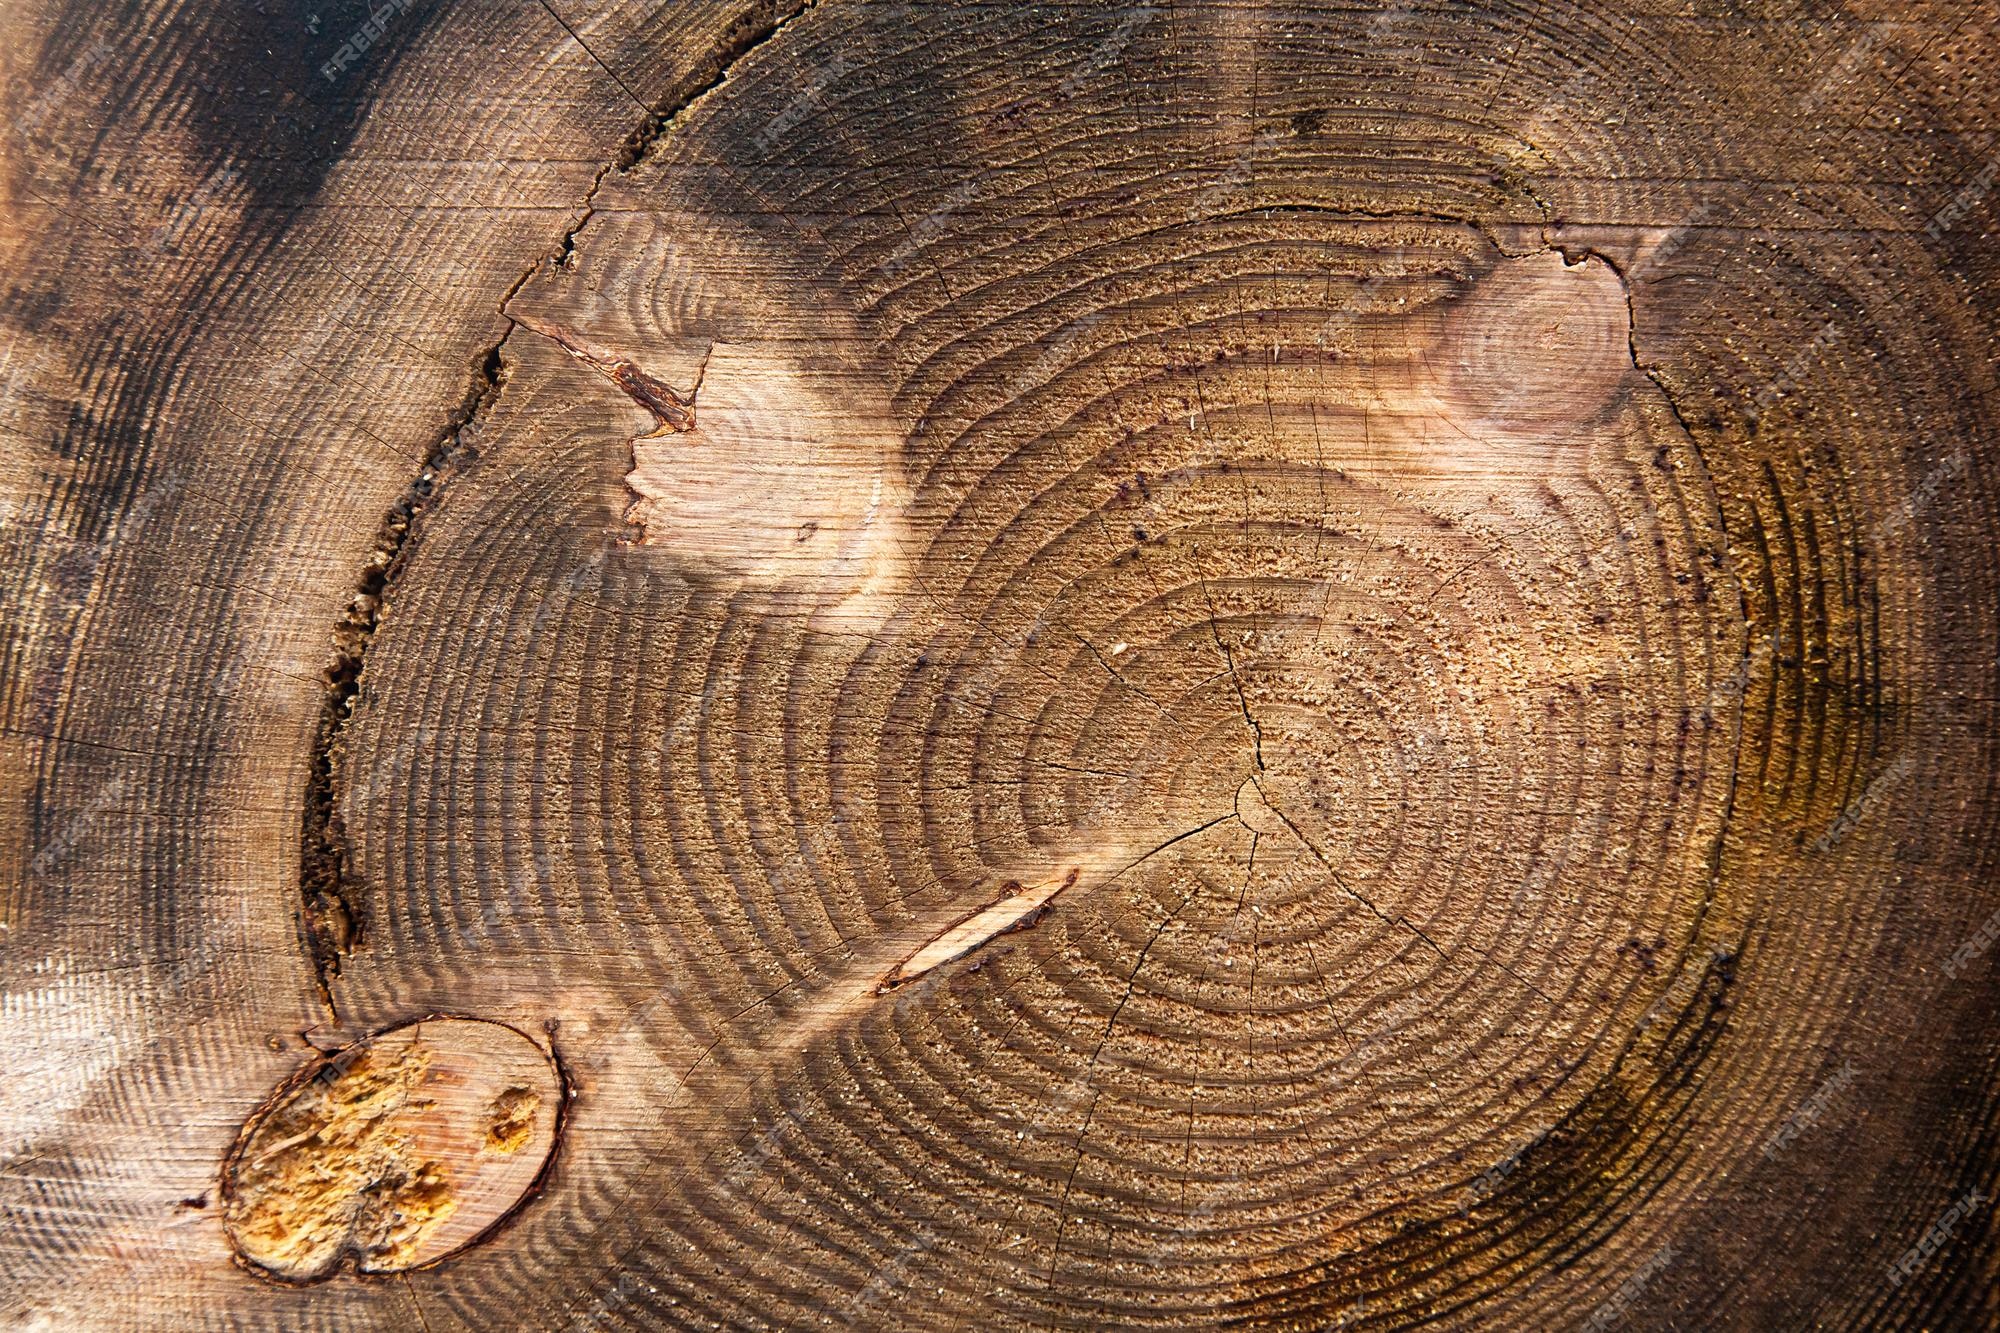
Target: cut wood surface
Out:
[769,665]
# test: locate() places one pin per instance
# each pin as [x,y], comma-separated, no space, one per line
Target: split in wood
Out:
[673,412]
[1018,909]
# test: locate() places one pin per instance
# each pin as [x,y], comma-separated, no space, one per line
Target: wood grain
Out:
[1293,666]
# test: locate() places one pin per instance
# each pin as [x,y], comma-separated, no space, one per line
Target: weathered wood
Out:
[1299,666]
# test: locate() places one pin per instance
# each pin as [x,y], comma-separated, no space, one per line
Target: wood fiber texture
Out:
[1161,666]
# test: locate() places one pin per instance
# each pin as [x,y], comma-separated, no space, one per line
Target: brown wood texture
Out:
[1293,665]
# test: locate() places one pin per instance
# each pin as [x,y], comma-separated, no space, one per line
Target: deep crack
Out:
[331,920]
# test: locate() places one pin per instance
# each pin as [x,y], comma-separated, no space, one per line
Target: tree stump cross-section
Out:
[864,665]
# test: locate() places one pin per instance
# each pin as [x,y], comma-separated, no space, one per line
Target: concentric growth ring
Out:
[1258,737]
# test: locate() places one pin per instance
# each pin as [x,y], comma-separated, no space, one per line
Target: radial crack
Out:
[1340,881]
[1235,678]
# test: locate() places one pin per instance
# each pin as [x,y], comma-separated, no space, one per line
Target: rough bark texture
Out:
[1206,664]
